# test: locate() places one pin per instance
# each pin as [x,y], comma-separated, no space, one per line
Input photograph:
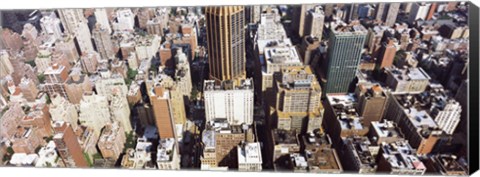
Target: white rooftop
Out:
[249,153]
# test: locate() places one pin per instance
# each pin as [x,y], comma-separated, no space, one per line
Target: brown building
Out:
[55,77]
[28,89]
[11,40]
[90,61]
[10,120]
[444,164]
[308,47]
[111,141]
[389,162]
[162,110]
[76,85]
[371,103]
[387,53]
[26,140]
[30,49]
[431,11]
[67,145]
[226,42]
[165,53]
[61,58]
[323,158]
[40,119]
[66,45]
[282,144]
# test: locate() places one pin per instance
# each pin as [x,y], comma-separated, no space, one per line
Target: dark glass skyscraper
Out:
[344,53]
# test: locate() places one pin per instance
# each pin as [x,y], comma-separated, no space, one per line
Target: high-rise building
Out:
[387,53]
[388,160]
[297,100]
[6,67]
[314,22]
[29,89]
[51,25]
[84,37]
[162,110]
[391,16]
[76,85]
[94,112]
[226,42]
[55,77]
[228,101]
[112,141]
[105,85]
[66,45]
[144,15]
[168,157]
[120,109]
[71,18]
[43,59]
[103,42]
[299,13]
[409,80]
[126,20]
[419,11]
[67,145]
[62,110]
[11,40]
[344,53]
[371,103]
[102,18]
[146,47]
[89,61]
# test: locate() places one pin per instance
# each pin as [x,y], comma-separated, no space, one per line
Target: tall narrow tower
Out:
[226,42]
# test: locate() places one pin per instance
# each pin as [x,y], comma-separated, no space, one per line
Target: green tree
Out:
[31,63]
[41,78]
[87,157]
[131,140]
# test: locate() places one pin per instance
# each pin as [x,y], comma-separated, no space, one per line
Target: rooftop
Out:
[386,129]
[299,78]
[210,85]
[165,150]
[249,153]
[285,137]
[361,152]
[407,74]
[400,155]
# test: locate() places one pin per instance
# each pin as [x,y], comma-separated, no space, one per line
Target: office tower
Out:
[298,98]
[89,61]
[94,112]
[66,45]
[103,42]
[120,110]
[162,110]
[71,19]
[29,89]
[102,18]
[314,22]
[126,20]
[249,157]
[391,16]
[344,53]
[298,21]
[230,102]
[55,77]
[6,67]
[371,103]
[226,42]
[76,85]
[62,110]
[419,11]
[84,37]
[112,141]
[168,157]
[67,145]
[388,160]
[387,53]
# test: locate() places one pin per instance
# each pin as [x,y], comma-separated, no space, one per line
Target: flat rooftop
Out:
[249,153]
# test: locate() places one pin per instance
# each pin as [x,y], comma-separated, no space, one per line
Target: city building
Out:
[62,110]
[126,20]
[94,112]
[283,144]
[38,118]
[43,59]
[120,110]
[407,80]
[103,42]
[48,156]
[168,157]
[6,67]
[26,139]
[66,45]
[76,85]
[419,11]
[55,78]
[67,145]
[112,141]
[358,156]
[226,42]
[146,47]
[249,157]
[102,16]
[314,22]
[399,158]
[29,89]
[233,103]
[387,53]
[344,53]
[162,110]
[385,132]
[444,164]
[298,21]
[140,157]
[319,154]
[371,103]
[109,82]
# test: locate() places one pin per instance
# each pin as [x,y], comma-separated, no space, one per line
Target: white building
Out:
[126,20]
[419,11]
[249,157]
[226,101]
[44,58]
[138,158]
[445,110]
[62,110]
[94,112]
[168,157]
[132,61]
[102,18]
[71,18]
[84,37]
[147,47]
[47,156]
[182,74]
[106,84]
[51,25]
[23,159]
[314,22]
[120,110]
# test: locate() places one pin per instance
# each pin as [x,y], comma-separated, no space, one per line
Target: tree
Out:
[31,63]
[130,143]
[10,150]
[41,78]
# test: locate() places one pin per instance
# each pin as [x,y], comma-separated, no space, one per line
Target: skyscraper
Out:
[226,42]
[314,22]
[103,42]
[162,110]
[344,53]
[68,146]
[392,14]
